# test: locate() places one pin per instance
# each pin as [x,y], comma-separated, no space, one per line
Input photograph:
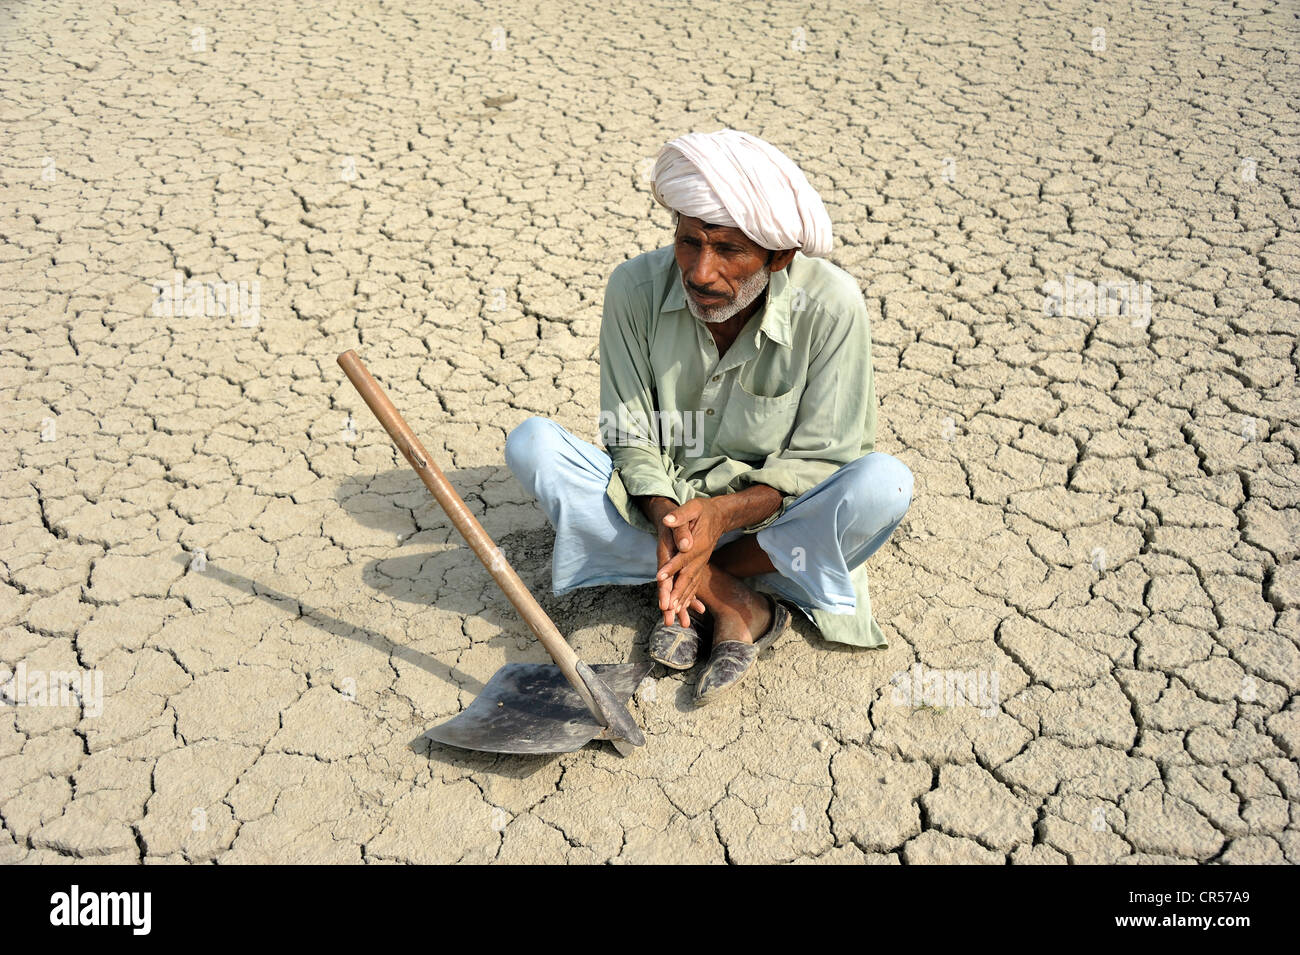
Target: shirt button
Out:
[716,377]
[710,411]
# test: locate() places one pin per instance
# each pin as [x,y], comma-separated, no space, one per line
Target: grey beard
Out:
[749,290]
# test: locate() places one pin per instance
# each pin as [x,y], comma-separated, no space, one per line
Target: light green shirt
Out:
[790,402]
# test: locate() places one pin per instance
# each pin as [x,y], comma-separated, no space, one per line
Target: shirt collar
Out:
[775,323]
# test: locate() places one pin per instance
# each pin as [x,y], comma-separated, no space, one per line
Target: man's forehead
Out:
[718,233]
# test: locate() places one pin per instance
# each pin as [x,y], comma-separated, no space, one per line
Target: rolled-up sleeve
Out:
[627,392]
[836,420]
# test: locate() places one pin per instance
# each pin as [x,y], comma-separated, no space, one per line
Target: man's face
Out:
[723,270]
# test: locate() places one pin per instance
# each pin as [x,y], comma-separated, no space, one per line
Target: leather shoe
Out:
[676,646]
[731,660]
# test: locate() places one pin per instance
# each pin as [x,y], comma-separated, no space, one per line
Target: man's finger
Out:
[684,586]
[682,515]
[683,592]
[665,593]
[667,571]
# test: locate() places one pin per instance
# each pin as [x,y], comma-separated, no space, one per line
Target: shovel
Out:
[525,707]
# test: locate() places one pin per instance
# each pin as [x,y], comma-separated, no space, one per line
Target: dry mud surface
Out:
[198,510]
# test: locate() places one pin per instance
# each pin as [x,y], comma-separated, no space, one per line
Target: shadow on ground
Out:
[453,578]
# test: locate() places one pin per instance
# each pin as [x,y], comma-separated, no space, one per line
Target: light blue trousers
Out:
[820,538]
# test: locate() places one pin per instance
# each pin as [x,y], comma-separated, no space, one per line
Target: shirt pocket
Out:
[754,426]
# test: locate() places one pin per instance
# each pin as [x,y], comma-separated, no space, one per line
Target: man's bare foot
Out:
[739,612]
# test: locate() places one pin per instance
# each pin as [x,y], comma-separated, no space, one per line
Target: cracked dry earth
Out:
[200,510]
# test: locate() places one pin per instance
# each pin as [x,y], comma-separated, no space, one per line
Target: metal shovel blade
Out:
[531,708]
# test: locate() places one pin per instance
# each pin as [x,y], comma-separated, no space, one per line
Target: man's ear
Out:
[779,260]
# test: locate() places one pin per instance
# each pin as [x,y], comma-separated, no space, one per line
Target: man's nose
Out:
[703,273]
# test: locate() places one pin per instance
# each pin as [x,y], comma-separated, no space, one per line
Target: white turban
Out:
[736,180]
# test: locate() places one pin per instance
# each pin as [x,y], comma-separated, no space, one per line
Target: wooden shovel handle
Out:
[462,519]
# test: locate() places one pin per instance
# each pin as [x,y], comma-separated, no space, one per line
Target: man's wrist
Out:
[655,506]
[753,505]
[737,510]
